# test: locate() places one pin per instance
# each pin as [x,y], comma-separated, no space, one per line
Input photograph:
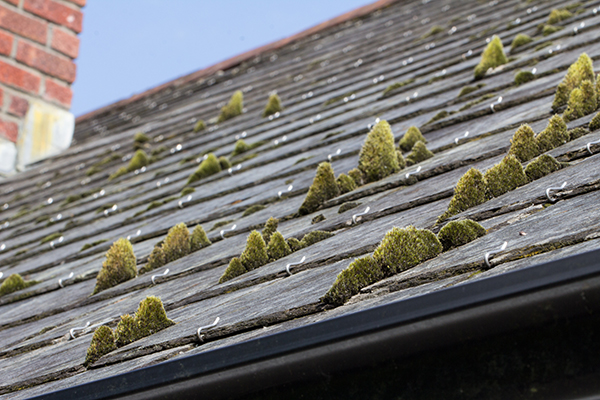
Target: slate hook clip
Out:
[224,230]
[163,274]
[408,174]
[207,327]
[186,200]
[561,187]
[72,331]
[60,281]
[589,146]
[355,216]
[490,253]
[287,267]
[289,189]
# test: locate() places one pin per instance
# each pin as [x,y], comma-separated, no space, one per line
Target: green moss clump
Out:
[396,85]
[402,249]
[255,254]
[200,126]
[492,57]
[126,331]
[410,138]
[356,176]
[317,218]
[595,122]
[313,237]
[578,132]
[524,146]
[558,15]
[177,243]
[187,190]
[156,259]
[360,273]
[198,239]
[541,166]
[233,108]
[322,189]
[377,158]
[522,77]
[347,206]
[252,209]
[419,153]
[273,105]
[520,40]
[14,283]
[345,183]
[50,237]
[294,244]
[554,135]
[208,167]
[457,233]
[139,139]
[582,101]
[440,115]
[93,244]
[151,316]
[140,159]
[103,342]
[224,162]
[433,31]
[269,229]
[470,191]
[119,266]
[581,70]
[505,176]
[548,30]
[278,247]
[234,269]
[470,89]
[240,147]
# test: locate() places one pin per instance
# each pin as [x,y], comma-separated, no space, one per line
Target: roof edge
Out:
[235,60]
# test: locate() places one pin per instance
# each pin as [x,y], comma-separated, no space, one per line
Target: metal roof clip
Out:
[207,327]
[287,267]
[163,274]
[82,328]
[224,230]
[289,189]
[408,174]
[491,253]
[355,216]
[186,200]
[552,189]
[589,148]
[60,281]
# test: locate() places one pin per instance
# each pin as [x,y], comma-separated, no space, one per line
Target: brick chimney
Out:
[38,42]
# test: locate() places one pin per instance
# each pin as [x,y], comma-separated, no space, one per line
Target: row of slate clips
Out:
[236,168]
[186,200]
[289,189]
[225,230]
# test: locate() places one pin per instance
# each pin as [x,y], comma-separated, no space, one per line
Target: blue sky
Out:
[128,46]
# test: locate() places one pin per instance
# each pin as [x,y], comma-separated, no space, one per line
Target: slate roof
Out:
[331,86]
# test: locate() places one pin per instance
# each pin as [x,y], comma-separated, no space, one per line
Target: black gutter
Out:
[533,296]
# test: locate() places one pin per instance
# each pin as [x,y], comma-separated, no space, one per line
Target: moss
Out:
[457,233]
[139,160]
[75,197]
[93,244]
[581,70]
[255,254]
[419,153]
[595,122]
[397,85]
[317,218]
[158,203]
[278,247]
[377,158]
[541,166]
[520,40]
[233,108]
[155,152]
[347,206]
[356,176]
[477,101]
[322,189]
[252,209]
[524,146]
[578,132]
[50,237]
[126,331]
[492,57]
[103,342]
[198,239]
[337,98]
[240,147]
[224,162]
[234,269]
[139,139]
[543,46]
[404,248]
[548,30]
[582,101]
[177,243]
[208,167]
[220,224]
[410,138]
[345,183]
[119,266]
[522,77]
[200,126]
[187,190]
[558,15]
[433,31]
[440,115]
[313,237]
[554,135]
[269,229]
[273,105]
[151,316]
[401,160]
[360,273]
[470,191]
[294,244]
[470,89]
[14,283]
[505,176]
[156,259]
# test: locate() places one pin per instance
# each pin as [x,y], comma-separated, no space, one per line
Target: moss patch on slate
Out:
[103,342]
[119,266]
[410,138]
[524,146]
[582,101]
[200,126]
[403,248]
[541,166]
[224,162]
[177,242]
[347,206]
[377,157]
[470,89]
[457,233]
[278,247]
[313,237]
[505,176]
[522,77]
[554,135]
[255,254]
[520,40]
[323,188]
[345,183]
[360,273]
[396,85]
[234,269]
[470,191]
[269,229]
[493,56]
[252,209]
[140,159]
[14,283]
[419,153]
[207,167]
[273,105]
[198,239]
[581,70]
[558,15]
[232,109]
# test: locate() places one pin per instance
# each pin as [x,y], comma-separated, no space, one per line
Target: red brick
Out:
[9,130]
[49,63]
[19,78]
[58,92]
[80,3]
[66,43]
[23,25]
[14,2]
[6,43]
[18,106]
[1,97]
[55,12]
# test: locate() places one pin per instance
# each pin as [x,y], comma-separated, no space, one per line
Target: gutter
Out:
[564,288]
